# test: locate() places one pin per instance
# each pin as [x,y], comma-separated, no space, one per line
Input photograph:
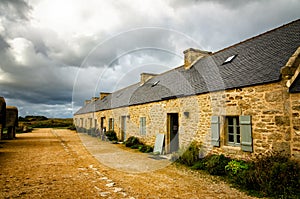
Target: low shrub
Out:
[146,149]
[238,171]
[275,175]
[199,165]
[191,155]
[215,164]
[135,146]
[270,175]
[111,135]
[135,143]
[236,166]
[132,141]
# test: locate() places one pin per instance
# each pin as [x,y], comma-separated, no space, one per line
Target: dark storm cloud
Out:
[14,10]
[44,67]
[3,44]
[39,86]
[107,53]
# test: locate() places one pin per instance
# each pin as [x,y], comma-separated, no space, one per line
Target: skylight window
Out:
[229,59]
[155,83]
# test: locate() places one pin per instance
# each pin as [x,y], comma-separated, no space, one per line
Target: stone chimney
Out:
[145,77]
[87,102]
[103,95]
[191,56]
[94,99]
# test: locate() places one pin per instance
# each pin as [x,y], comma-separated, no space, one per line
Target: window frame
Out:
[235,131]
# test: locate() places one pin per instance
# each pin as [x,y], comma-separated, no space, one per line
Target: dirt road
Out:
[50,163]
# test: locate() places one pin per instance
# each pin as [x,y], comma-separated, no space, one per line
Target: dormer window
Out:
[155,83]
[229,59]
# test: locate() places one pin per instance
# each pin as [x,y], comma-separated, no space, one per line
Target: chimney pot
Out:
[94,99]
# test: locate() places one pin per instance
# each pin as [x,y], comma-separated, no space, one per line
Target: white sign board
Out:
[159,143]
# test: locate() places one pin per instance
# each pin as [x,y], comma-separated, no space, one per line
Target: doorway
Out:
[172,132]
[123,128]
[102,123]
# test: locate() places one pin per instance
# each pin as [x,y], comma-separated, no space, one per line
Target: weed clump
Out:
[111,135]
[134,143]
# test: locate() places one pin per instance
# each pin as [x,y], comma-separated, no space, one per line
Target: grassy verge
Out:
[28,125]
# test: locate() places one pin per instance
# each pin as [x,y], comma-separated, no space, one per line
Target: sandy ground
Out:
[50,163]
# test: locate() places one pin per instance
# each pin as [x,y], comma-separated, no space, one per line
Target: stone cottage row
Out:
[239,101]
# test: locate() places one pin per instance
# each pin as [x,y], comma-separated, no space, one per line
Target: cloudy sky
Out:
[57,53]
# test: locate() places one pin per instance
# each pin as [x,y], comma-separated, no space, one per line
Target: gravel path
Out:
[52,163]
[122,158]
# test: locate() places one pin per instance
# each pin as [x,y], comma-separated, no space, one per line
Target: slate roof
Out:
[258,61]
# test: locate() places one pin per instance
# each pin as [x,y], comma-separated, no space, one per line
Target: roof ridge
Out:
[131,85]
[259,35]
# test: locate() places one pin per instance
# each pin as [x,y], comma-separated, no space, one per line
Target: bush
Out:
[199,165]
[111,135]
[215,164]
[236,166]
[146,149]
[275,175]
[135,146]
[191,155]
[133,142]
[272,175]
[238,171]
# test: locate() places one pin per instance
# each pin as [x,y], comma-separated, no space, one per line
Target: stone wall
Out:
[274,116]
[85,123]
[268,107]
[295,124]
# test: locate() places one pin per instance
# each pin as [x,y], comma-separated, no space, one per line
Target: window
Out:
[233,131]
[90,123]
[155,83]
[111,124]
[102,123]
[237,131]
[81,122]
[229,59]
[143,125]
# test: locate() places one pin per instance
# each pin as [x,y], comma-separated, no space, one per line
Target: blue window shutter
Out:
[215,131]
[246,133]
